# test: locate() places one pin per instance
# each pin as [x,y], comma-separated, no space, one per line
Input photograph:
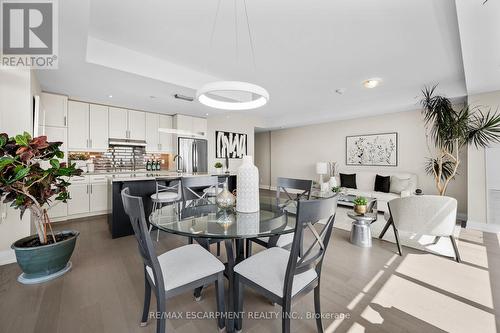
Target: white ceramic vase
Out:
[247,188]
[332,182]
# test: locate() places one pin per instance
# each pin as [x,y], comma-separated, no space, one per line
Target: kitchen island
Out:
[143,186]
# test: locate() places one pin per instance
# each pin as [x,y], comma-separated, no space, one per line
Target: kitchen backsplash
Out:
[122,158]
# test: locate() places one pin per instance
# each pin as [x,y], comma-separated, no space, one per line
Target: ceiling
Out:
[304,51]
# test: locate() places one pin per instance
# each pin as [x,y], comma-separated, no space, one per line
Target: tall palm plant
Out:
[452,130]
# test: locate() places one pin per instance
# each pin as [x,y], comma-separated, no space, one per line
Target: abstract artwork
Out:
[232,144]
[374,149]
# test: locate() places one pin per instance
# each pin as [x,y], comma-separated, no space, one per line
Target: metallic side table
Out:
[361,234]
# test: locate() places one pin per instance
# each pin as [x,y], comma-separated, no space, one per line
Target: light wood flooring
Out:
[376,289]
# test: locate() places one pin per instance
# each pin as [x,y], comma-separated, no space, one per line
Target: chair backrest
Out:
[134,208]
[191,187]
[285,185]
[426,214]
[309,212]
[167,188]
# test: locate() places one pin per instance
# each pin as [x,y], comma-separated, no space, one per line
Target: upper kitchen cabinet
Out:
[158,142]
[193,125]
[54,110]
[166,144]
[78,125]
[136,125]
[87,126]
[98,130]
[127,124]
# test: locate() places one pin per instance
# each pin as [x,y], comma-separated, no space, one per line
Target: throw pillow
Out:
[348,180]
[398,185]
[382,183]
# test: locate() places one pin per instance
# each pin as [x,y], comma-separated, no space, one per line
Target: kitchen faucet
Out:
[181,163]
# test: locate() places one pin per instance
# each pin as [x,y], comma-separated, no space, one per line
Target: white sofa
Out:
[365,182]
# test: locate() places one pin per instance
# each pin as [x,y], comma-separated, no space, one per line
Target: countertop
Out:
[128,177]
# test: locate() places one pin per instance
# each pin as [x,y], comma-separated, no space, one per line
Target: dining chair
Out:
[164,194]
[173,272]
[432,215]
[199,188]
[282,275]
[284,185]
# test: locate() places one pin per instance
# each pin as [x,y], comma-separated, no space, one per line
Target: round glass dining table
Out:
[203,221]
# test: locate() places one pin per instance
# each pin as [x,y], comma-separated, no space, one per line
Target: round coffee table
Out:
[361,234]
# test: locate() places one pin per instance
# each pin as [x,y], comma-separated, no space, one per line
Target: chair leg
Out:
[218,249]
[396,235]
[317,309]
[248,249]
[238,294]
[190,240]
[219,290]
[147,302]
[161,321]
[286,314]
[455,248]
[387,225]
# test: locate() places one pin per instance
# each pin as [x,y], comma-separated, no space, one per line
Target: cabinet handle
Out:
[91,186]
[65,122]
[90,145]
[87,189]
[87,144]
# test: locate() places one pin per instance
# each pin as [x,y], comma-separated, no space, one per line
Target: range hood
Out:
[126,142]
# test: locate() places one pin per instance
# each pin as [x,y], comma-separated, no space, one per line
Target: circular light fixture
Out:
[219,87]
[371,83]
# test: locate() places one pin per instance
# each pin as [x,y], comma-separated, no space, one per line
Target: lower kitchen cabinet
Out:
[80,199]
[98,197]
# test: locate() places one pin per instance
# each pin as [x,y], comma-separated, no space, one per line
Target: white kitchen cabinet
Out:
[79,203]
[136,125]
[58,209]
[78,126]
[152,134]
[98,197]
[118,123]
[98,129]
[165,139]
[53,110]
[190,124]
[199,126]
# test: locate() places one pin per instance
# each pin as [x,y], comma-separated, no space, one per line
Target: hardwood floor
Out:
[377,290]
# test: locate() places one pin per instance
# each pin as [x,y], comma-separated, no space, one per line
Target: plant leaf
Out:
[22,140]
[55,163]
[21,173]
[4,161]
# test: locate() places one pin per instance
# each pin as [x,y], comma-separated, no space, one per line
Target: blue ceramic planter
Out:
[45,262]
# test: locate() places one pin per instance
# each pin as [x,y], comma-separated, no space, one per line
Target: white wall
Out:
[295,151]
[16,89]
[263,158]
[477,198]
[230,122]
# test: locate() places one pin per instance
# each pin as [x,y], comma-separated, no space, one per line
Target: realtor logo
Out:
[29,33]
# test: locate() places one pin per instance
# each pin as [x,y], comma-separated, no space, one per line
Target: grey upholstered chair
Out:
[284,185]
[282,275]
[432,215]
[173,272]
[164,194]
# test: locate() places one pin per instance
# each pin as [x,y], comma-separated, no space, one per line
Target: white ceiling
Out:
[304,50]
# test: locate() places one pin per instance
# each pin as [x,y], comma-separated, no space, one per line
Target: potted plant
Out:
[26,185]
[453,129]
[360,205]
[336,189]
[218,167]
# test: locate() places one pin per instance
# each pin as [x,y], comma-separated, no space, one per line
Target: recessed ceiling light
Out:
[110,96]
[371,83]
[206,114]
[340,91]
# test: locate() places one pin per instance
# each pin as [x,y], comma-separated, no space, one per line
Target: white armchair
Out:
[423,214]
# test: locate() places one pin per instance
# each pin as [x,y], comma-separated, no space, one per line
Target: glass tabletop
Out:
[202,218]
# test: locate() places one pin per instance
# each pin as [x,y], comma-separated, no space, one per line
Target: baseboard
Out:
[7,257]
[494,228]
[78,216]
[265,187]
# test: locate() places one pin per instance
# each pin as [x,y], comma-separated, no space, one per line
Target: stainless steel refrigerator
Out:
[193,153]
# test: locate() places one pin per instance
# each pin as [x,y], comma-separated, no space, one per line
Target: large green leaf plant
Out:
[28,182]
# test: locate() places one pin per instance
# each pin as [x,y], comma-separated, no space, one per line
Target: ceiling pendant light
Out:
[233,95]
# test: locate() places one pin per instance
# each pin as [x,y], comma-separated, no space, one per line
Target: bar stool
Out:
[164,195]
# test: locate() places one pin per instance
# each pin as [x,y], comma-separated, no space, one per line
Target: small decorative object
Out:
[218,167]
[225,217]
[332,182]
[372,150]
[28,187]
[324,187]
[225,199]
[247,187]
[360,205]
[321,169]
[231,145]
[336,189]
[419,192]
[227,162]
